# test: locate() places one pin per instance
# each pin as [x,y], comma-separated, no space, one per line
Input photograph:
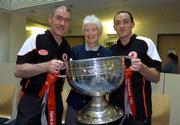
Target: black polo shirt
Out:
[146,51]
[40,48]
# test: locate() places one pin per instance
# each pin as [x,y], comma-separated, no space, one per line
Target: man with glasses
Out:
[39,62]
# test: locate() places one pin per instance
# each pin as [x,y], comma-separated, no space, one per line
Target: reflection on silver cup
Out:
[96,77]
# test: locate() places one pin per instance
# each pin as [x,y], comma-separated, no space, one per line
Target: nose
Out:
[121,24]
[62,22]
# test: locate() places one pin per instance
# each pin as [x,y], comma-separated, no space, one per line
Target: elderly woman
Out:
[92,29]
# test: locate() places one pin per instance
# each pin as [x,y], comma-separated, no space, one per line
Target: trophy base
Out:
[99,113]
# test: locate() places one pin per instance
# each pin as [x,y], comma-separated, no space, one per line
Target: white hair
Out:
[92,19]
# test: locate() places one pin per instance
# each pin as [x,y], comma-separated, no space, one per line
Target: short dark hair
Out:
[60,6]
[124,11]
[173,57]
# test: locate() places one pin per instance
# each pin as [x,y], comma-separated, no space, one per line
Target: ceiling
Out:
[144,11]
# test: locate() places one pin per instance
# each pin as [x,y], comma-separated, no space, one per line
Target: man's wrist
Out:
[143,69]
[44,67]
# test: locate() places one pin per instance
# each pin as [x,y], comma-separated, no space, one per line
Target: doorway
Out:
[75,40]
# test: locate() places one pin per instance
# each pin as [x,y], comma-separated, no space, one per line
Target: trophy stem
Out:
[98,101]
[98,111]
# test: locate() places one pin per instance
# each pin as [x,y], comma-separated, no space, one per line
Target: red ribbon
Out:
[50,83]
[128,87]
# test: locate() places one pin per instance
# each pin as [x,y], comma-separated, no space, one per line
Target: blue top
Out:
[171,67]
[77,100]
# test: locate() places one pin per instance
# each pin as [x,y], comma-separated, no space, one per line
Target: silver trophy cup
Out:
[96,77]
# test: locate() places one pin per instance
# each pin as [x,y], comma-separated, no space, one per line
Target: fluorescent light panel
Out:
[18,4]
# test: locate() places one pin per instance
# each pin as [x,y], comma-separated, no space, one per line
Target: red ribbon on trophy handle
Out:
[52,78]
[50,83]
[128,87]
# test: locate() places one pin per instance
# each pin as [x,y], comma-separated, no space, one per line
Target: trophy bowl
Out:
[96,77]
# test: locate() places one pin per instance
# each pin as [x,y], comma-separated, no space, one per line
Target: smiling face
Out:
[59,22]
[91,34]
[123,25]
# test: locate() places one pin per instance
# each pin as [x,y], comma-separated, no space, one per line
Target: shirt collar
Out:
[92,49]
[131,39]
[52,38]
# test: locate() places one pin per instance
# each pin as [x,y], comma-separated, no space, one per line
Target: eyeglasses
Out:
[60,19]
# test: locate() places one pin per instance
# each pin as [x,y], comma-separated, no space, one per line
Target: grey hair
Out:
[60,6]
[92,19]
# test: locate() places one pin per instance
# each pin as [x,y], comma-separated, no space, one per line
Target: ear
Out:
[133,24]
[49,19]
[114,27]
[100,33]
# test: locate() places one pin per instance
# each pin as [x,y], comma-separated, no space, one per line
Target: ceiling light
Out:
[18,4]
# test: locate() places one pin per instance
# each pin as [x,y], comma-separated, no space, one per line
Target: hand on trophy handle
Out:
[55,65]
[136,63]
[65,65]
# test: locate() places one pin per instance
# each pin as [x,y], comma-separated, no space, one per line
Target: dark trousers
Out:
[131,121]
[29,111]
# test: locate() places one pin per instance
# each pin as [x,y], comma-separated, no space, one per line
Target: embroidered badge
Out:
[133,54]
[64,57]
[43,52]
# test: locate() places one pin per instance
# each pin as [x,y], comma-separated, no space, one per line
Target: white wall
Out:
[159,87]
[16,35]
[12,34]
[12,37]
[4,36]
[169,85]
[12,30]
[172,88]
[148,30]
[7,77]
[153,30]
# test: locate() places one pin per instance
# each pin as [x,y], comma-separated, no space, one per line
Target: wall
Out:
[172,87]
[7,78]
[12,29]
[153,30]
[148,30]
[4,36]
[12,33]
[169,85]
[16,35]
[12,37]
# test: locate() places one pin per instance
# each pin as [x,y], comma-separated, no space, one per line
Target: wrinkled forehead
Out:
[91,26]
[62,11]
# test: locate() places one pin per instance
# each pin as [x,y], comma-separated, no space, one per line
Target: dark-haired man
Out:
[134,96]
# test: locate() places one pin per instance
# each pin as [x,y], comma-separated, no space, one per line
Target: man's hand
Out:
[149,73]
[54,66]
[136,64]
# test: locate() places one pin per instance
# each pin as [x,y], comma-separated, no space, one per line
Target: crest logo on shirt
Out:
[132,54]
[43,52]
[64,57]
